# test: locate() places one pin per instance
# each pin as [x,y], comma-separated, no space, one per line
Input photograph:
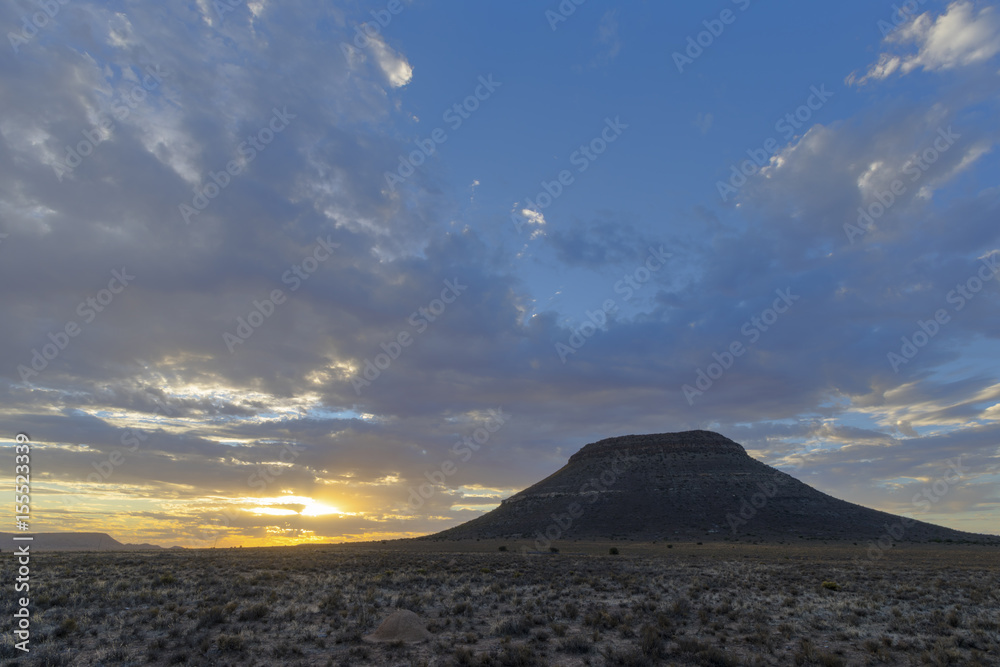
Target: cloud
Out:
[958,38]
[704,121]
[607,36]
[395,66]
[529,216]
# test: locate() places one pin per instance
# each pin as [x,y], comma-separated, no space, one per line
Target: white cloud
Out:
[533,217]
[958,38]
[536,218]
[607,34]
[393,65]
[704,121]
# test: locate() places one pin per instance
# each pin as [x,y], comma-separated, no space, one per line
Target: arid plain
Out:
[805,602]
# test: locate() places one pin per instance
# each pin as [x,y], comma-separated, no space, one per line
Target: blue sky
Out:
[295,339]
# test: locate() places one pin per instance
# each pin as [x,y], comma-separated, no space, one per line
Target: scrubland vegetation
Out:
[714,604]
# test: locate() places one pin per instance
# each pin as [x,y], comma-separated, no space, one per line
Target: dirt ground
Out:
[718,603]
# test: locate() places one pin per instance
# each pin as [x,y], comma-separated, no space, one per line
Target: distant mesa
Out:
[72,542]
[693,485]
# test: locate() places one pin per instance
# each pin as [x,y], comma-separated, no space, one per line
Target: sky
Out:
[275,273]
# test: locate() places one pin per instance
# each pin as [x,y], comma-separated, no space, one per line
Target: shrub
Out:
[809,654]
[705,653]
[625,657]
[650,642]
[519,655]
[211,616]
[67,626]
[512,626]
[680,608]
[831,585]
[228,643]
[464,656]
[254,612]
[577,644]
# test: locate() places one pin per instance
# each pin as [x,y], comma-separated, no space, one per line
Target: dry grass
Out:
[714,604]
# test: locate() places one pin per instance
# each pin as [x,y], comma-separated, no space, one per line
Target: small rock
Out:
[401,626]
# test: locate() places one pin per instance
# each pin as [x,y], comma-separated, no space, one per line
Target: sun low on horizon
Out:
[303,273]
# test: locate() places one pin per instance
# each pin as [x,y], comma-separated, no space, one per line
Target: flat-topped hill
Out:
[687,485]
